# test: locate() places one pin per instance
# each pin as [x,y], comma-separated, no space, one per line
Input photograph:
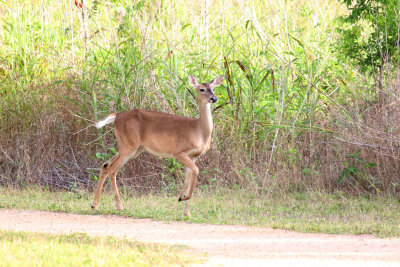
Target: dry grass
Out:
[291,116]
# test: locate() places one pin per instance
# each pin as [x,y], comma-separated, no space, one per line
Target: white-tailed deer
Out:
[164,135]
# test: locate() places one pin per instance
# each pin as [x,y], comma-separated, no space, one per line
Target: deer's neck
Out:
[206,123]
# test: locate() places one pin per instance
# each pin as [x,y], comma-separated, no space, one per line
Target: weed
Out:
[290,111]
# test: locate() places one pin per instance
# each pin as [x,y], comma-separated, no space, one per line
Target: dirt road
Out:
[223,245]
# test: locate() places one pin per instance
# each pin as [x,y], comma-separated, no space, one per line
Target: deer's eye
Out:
[202,90]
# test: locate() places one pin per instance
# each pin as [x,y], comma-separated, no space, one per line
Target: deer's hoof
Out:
[183,198]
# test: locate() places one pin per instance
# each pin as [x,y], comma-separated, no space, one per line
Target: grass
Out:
[37,249]
[312,211]
[276,56]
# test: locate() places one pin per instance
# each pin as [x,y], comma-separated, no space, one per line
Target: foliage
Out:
[284,100]
[369,34]
[355,170]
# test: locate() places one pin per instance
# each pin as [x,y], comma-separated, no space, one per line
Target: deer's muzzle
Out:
[213,99]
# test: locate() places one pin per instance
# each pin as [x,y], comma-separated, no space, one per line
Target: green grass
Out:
[37,249]
[286,90]
[312,211]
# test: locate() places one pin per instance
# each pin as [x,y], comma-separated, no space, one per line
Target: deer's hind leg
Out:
[113,177]
[111,168]
[103,175]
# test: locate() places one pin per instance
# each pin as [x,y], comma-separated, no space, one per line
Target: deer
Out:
[164,135]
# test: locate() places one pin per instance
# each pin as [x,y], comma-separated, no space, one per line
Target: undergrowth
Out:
[291,114]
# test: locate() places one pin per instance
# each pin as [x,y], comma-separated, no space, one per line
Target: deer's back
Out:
[160,133]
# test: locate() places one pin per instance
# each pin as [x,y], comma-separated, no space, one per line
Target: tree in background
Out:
[369,34]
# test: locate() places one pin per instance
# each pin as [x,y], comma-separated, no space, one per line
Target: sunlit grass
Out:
[38,249]
[312,211]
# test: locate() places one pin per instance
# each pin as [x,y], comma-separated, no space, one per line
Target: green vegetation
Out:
[305,136]
[314,211]
[36,249]
[291,110]
[370,34]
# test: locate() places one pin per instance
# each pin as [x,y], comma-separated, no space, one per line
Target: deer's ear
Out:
[217,81]
[193,81]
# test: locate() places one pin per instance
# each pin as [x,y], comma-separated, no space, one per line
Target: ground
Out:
[222,244]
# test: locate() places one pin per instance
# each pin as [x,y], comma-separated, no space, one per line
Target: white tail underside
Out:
[109,119]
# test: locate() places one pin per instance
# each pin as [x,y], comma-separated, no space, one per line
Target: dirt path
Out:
[224,245]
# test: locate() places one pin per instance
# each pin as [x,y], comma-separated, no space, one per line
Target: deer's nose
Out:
[213,99]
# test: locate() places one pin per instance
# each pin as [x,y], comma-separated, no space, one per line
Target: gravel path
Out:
[223,244]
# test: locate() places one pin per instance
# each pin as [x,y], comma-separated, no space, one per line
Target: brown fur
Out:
[164,135]
[160,132]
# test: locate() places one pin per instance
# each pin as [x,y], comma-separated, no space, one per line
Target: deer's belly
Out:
[158,153]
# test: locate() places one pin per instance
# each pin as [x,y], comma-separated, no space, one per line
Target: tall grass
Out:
[285,116]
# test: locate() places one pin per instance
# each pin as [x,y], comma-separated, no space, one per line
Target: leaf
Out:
[185,26]
[297,40]
[58,82]
[370,165]
[230,34]
[247,23]
[245,70]
[264,78]
[347,173]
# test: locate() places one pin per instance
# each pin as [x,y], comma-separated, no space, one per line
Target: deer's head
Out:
[205,91]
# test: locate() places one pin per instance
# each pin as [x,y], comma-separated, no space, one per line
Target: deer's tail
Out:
[109,119]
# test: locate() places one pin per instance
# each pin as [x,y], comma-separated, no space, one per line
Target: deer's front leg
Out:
[188,179]
[191,175]
[187,186]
